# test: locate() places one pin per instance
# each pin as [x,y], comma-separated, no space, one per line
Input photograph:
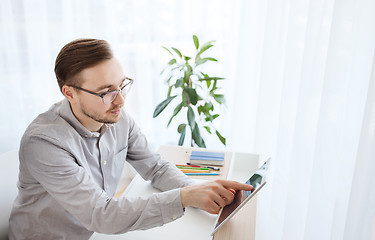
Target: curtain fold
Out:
[306,109]
[299,87]
[362,197]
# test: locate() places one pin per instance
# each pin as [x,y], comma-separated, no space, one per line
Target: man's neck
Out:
[89,123]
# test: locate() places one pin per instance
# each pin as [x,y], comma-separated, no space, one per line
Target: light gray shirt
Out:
[68,176]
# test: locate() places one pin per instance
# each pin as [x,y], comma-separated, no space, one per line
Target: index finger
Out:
[236,185]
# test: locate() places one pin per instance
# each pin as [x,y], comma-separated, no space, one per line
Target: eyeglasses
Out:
[110,96]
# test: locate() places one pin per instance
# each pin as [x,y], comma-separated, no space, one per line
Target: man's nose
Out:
[119,99]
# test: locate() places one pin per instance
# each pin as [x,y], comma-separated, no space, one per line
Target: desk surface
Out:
[240,225]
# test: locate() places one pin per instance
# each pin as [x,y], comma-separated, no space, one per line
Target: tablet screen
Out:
[257,181]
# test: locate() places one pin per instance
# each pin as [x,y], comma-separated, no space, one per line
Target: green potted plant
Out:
[192,89]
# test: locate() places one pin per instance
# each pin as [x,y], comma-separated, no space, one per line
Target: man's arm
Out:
[56,170]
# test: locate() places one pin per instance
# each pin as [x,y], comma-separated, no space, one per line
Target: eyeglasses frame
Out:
[101,95]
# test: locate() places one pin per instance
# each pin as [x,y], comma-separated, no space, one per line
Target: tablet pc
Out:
[257,180]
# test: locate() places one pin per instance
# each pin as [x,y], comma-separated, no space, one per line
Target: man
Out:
[71,158]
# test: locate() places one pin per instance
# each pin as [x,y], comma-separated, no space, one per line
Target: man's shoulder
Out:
[50,124]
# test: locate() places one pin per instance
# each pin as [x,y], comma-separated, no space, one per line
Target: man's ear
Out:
[69,93]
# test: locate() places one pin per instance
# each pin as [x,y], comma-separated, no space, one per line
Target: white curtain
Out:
[301,94]
[299,87]
[32,32]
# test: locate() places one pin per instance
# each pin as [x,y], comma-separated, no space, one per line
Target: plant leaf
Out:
[181,127]
[172,61]
[179,82]
[196,41]
[189,69]
[177,51]
[219,98]
[199,61]
[196,135]
[208,129]
[162,71]
[214,86]
[208,82]
[204,75]
[159,108]
[211,59]
[210,117]
[182,136]
[222,139]
[169,79]
[169,91]
[191,117]
[209,106]
[203,143]
[168,50]
[200,109]
[210,78]
[204,47]
[192,95]
[187,58]
[175,112]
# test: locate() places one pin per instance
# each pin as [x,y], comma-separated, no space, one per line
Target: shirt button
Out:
[105,162]
[174,218]
[107,186]
[86,136]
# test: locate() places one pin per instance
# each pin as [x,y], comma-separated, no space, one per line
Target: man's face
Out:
[101,78]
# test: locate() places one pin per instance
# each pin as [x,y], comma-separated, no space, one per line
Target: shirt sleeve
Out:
[57,171]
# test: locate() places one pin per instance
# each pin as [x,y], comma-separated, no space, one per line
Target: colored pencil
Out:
[196,168]
[197,174]
[194,171]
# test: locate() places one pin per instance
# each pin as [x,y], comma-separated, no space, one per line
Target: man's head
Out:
[88,74]
[77,56]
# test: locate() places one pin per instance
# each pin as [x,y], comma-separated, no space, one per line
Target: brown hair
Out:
[78,55]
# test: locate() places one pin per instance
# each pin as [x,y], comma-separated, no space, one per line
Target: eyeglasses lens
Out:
[126,88]
[109,97]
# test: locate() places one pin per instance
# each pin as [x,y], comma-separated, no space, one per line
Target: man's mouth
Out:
[115,111]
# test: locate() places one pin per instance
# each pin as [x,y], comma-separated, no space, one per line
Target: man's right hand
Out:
[211,196]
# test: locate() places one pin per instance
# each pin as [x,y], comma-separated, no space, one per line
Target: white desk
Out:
[238,166]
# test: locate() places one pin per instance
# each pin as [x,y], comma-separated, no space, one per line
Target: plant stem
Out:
[189,82]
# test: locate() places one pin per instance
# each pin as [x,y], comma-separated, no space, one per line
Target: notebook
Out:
[207,158]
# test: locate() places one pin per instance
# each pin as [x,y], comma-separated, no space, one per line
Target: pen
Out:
[210,167]
[197,174]
[189,164]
